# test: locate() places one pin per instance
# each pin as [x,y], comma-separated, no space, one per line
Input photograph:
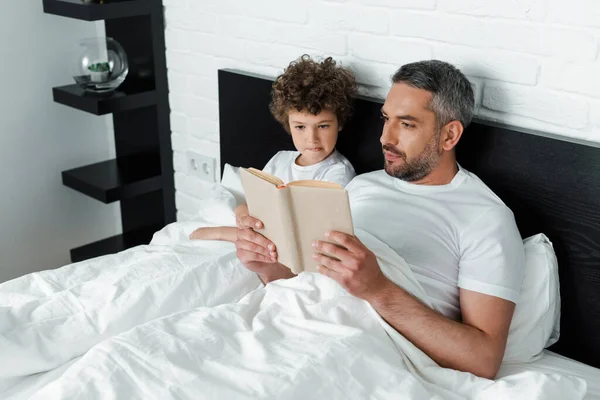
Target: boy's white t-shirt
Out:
[459,235]
[336,168]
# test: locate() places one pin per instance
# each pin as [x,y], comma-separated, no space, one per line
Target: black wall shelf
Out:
[114,180]
[114,244]
[95,12]
[141,177]
[74,96]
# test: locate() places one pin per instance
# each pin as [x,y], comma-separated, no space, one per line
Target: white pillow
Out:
[536,321]
[232,182]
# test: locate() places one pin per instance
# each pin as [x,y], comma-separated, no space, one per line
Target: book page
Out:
[267,177]
[271,205]
[321,184]
[317,210]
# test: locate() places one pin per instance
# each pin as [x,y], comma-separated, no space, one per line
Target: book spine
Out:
[287,249]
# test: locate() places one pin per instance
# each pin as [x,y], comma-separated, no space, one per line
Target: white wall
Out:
[534,63]
[40,219]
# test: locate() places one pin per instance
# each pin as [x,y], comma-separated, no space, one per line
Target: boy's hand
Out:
[350,263]
[257,253]
[253,247]
[240,212]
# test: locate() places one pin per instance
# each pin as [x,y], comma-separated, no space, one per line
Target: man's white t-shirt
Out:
[459,235]
[336,168]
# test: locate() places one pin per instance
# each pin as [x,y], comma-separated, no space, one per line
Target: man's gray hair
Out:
[453,98]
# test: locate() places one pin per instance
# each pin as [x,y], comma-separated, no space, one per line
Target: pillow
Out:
[536,321]
[232,182]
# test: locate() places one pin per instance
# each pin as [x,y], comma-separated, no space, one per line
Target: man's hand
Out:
[257,253]
[476,344]
[351,264]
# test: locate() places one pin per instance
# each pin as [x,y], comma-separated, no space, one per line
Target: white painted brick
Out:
[176,39]
[595,118]
[275,55]
[179,161]
[218,7]
[292,11]
[215,45]
[477,85]
[583,79]
[191,63]
[203,128]
[190,20]
[342,17]
[178,82]
[174,3]
[371,73]
[568,44]
[204,87]
[533,10]
[532,63]
[184,143]
[315,39]
[541,104]
[388,50]
[278,10]
[491,64]
[250,29]
[449,29]
[179,122]
[192,106]
[420,4]
[179,142]
[575,12]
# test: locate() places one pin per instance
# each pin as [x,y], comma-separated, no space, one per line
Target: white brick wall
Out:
[533,63]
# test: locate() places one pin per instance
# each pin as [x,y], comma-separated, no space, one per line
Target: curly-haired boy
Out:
[312,100]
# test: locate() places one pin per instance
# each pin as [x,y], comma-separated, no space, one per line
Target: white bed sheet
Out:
[555,363]
[256,330]
[549,362]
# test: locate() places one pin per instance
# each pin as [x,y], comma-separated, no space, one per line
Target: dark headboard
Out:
[552,186]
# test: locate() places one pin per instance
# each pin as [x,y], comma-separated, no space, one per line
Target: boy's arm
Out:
[225,233]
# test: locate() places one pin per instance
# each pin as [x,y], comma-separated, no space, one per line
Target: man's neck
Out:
[443,173]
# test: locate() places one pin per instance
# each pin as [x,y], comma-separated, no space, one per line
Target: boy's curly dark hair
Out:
[308,85]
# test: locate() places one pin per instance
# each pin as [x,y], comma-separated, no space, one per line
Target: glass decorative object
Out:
[100,64]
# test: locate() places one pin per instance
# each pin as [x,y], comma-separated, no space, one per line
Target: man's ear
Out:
[451,134]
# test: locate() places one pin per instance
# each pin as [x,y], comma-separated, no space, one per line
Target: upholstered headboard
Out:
[552,186]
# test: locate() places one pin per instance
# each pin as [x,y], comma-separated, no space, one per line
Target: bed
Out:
[176,319]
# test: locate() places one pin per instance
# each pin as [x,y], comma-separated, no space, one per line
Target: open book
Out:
[296,214]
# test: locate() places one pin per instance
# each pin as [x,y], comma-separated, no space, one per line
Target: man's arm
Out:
[474,345]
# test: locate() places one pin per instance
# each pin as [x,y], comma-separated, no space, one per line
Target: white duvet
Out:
[180,319]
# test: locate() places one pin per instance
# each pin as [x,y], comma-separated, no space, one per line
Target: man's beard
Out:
[417,168]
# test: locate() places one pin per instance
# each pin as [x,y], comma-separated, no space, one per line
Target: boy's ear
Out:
[340,128]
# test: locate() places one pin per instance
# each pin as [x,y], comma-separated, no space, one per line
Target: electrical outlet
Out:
[201,166]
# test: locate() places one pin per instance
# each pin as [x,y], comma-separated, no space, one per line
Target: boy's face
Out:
[314,136]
